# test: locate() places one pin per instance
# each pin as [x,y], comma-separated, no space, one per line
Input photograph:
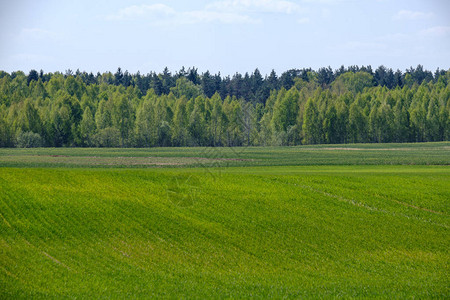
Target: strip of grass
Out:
[306,231]
[355,154]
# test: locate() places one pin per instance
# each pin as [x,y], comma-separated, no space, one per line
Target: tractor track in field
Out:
[419,208]
[6,221]
[377,149]
[52,258]
[372,208]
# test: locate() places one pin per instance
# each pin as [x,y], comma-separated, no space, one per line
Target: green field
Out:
[368,220]
[354,154]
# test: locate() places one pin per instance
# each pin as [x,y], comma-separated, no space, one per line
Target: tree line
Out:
[348,105]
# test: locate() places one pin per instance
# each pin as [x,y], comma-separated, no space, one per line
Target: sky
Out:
[225,36]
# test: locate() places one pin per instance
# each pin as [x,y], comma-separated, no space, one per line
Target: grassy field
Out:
[354,154]
[358,221]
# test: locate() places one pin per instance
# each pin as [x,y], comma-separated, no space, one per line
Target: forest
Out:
[301,106]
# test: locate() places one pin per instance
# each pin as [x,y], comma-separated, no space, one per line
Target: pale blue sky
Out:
[227,36]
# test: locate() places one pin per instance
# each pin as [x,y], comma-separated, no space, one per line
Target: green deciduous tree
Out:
[123,118]
[311,124]
[87,128]
[347,105]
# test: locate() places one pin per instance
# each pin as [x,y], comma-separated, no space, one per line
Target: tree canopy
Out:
[348,105]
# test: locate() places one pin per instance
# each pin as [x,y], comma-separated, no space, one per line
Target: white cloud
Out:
[437,31]
[162,14]
[140,11]
[395,38]
[303,21]
[412,15]
[36,34]
[326,13]
[271,6]
[326,1]
[31,59]
[203,16]
[227,11]
[363,46]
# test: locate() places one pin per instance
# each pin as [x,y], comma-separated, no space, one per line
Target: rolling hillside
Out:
[269,231]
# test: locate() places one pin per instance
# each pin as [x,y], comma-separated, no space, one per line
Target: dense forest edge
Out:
[301,106]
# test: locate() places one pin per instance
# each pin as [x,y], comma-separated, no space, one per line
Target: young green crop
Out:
[305,231]
[353,154]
